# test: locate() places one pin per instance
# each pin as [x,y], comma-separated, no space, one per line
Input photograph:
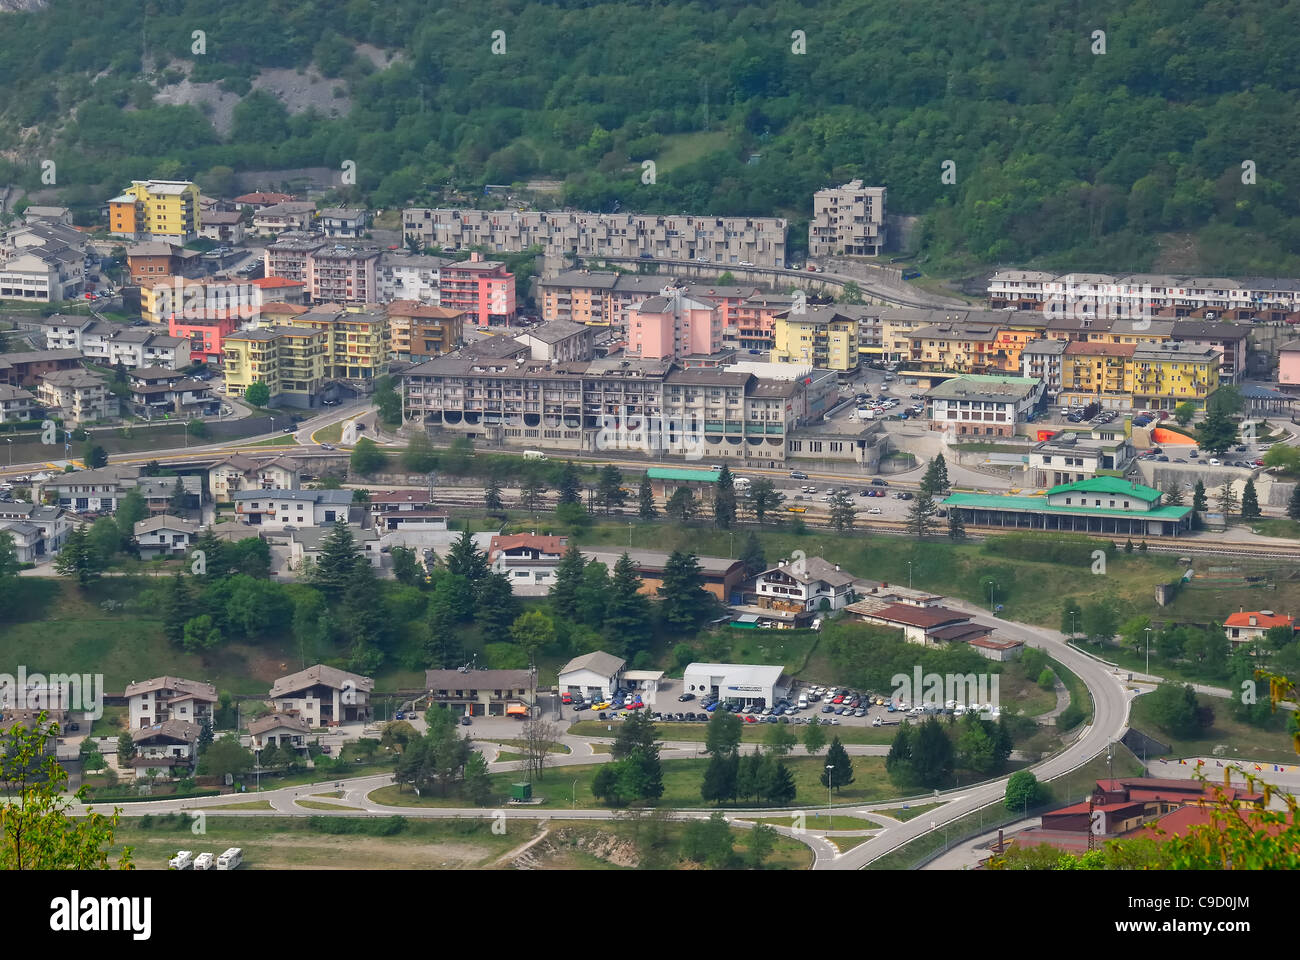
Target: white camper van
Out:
[231,859]
[203,861]
[183,860]
[534,455]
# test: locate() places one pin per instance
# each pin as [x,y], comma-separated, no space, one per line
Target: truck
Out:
[203,861]
[231,859]
[741,483]
[534,455]
[183,860]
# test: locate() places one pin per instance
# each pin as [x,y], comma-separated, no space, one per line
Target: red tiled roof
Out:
[264,198]
[554,546]
[1264,620]
[267,283]
[924,617]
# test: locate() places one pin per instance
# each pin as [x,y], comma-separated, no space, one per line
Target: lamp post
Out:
[574,801]
[1074,628]
[909,574]
[10,441]
[830,819]
[992,587]
[1148,630]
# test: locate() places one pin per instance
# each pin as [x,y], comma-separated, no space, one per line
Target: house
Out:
[260,201]
[38,531]
[722,576]
[49,274]
[165,535]
[224,226]
[593,675]
[346,223]
[15,404]
[279,730]
[277,509]
[97,491]
[158,392]
[169,698]
[324,696]
[405,510]
[482,693]
[929,626]
[1247,626]
[239,472]
[36,213]
[170,743]
[527,558]
[77,396]
[560,341]
[158,493]
[305,544]
[26,369]
[281,217]
[156,259]
[1000,650]
[801,586]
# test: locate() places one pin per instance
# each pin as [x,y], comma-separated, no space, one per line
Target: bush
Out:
[1070,717]
[365,826]
[1047,679]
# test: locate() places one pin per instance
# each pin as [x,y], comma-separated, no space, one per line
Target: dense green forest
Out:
[1064,157]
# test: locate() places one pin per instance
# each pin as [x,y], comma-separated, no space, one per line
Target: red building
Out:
[205,335]
[483,289]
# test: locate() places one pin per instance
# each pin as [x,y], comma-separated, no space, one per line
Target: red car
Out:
[838,700]
[566,698]
[750,719]
[635,706]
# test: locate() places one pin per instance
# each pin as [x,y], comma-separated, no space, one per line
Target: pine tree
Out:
[684,601]
[609,489]
[1250,502]
[338,555]
[1199,502]
[627,610]
[898,762]
[1293,505]
[779,787]
[838,770]
[178,500]
[751,554]
[568,580]
[215,565]
[814,738]
[720,778]
[570,485]
[724,500]
[492,498]
[647,509]
[681,505]
[1227,500]
[495,607]
[79,558]
[956,525]
[1173,495]
[936,477]
[843,513]
[465,558]
[176,607]
[920,515]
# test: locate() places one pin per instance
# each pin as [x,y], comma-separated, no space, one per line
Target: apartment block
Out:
[756,321]
[26,369]
[333,272]
[77,396]
[356,342]
[418,330]
[821,336]
[291,361]
[154,260]
[406,276]
[1168,374]
[954,348]
[1043,360]
[1093,372]
[50,274]
[734,241]
[483,289]
[847,221]
[156,210]
[16,404]
[292,215]
[344,223]
[674,327]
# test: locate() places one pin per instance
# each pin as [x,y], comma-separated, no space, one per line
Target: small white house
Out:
[279,729]
[305,545]
[800,586]
[593,675]
[323,696]
[169,698]
[164,535]
[171,743]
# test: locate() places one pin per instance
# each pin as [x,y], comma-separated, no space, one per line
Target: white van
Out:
[534,455]
[183,860]
[803,701]
[741,483]
[230,859]
[203,861]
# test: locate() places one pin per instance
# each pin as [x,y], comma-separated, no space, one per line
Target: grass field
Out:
[1276,527]
[281,843]
[554,748]
[845,844]
[903,814]
[818,820]
[320,805]
[683,148]
[565,786]
[284,441]
[1237,739]
[247,805]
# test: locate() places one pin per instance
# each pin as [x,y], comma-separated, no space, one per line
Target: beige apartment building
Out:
[847,221]
[78,396]
[291,361]
[733,241]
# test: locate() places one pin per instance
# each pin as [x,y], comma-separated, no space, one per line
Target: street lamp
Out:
[992,587]
[1074,628]
[10,441]
[830,820]
[909,574]
[574,802]
[1148,630]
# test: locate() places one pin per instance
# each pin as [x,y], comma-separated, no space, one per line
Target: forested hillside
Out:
[1063,157]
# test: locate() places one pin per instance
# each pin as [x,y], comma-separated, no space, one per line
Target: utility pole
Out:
[1148,630]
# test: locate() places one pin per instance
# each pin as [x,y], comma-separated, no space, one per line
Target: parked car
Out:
[798,475]
[877,482]
[685,696]
[465,721]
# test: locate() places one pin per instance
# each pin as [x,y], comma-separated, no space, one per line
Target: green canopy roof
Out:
[1112,485]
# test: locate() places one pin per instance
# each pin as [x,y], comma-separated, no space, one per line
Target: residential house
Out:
[277,509]
[38,530]
[169,698]
[279,730]
[305,545]
[482,693]
[159,392]
[419,331]
[27,369]
[1247,626]
[170,744]
[405,510]
[343,223]
[721,576]
[526,558]
[260,201]
[928,625]
[592,675]
[16,404]
[156,259]
[801,585]
[324,696]
[164,536]
[240,472]
[283,217]
[50,274]
[77,396]
[224,226]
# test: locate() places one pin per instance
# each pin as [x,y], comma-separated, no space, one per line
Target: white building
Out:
[15,403]
[165,535]
[38,531]
[348,224]
[77,396]
[801,585]
[282,217]
[593,675]
[169,698]
[170,743]
[277,509]
[747,683]
[1068,457]
[305,545]
[526,558]
[847,220]
[1044,360]
[408,276]
[239,472]
[323,696]
[279,730]
[44,275]
[977,405]
[560,341]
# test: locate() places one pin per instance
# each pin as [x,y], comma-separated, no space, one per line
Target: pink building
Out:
[1288,364]
[484,289]
[666,328]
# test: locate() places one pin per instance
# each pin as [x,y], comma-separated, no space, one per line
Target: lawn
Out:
[246,805]
[1276,527]
[331,434]
[569,841]
[908,811]
[680,149]
[817,821]
[845,844]
[282,441]
[1235,739]
[750,733]
[571,786]
[319,805]
[553,748]
[280,843]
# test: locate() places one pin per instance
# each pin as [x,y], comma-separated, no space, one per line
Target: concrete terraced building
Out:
[732,241]
[847,221]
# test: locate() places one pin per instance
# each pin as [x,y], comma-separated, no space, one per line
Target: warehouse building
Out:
[748,683]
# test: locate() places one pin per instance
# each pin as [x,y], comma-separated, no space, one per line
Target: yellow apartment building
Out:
[1165,375]
[956,348]
[1101,372]
[290,361]
[156,210]
[821,336]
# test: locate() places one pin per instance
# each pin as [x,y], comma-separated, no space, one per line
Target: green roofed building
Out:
[1098,505]
[665,481]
